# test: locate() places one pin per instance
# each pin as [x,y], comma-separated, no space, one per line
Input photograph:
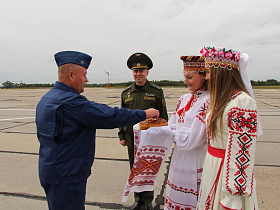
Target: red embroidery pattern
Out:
[181,189]
[136,141]
[201,113]
[243,126]
[199,198]
[178,106]
[227,164]
[147,164]
[171,205]
[199,170]
[192,100]
[207,130]
[212,194]
[196,95]
[237,120]
[145,167]
[183,114]
[253,176]
[235,95]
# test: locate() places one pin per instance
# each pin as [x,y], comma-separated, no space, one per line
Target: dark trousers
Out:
[144,197]
[70,196]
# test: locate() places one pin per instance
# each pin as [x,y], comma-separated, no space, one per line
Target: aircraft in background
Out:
[7,84]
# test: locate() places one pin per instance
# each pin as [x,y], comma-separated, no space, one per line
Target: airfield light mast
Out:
[108,85]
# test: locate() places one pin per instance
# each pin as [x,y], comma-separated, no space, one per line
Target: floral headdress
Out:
[220,57]
[193,63]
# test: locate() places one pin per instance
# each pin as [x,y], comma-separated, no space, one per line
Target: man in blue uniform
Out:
[140,95]
[66,126]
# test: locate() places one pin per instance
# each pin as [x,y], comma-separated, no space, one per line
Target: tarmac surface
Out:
[20,188]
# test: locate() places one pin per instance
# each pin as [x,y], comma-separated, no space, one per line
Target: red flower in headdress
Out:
[204,52]
[229,54]
[237,56]
[221,54]
[212,52]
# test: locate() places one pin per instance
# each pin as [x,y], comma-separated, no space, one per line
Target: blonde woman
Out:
[228,180]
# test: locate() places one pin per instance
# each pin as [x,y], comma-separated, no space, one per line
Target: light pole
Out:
[108,85]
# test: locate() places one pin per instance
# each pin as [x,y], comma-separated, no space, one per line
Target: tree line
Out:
[161,83]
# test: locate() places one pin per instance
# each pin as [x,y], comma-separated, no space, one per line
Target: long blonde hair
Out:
[222,84]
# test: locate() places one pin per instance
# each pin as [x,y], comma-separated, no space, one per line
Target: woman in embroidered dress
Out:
[188,125]
[228,180]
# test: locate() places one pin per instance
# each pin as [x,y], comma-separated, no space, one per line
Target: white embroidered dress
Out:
[228,181]
[189,151]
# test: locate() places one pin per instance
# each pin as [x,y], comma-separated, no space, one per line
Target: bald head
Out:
[63,71]
[73,75]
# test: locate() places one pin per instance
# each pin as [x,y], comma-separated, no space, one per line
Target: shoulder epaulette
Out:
[127,88]
[155,86]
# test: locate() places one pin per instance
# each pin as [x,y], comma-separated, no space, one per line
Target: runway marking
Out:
[268,104]
[17,109]
[269,90]
[21,118]
[101,205]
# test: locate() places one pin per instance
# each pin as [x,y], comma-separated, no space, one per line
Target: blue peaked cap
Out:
[75,57]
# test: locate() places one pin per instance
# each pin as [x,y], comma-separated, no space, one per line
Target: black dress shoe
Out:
[136,206]
[148,206]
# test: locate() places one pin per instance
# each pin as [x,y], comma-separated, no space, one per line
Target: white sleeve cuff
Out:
[232,202]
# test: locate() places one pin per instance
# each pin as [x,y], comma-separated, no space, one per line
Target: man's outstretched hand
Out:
[151,113]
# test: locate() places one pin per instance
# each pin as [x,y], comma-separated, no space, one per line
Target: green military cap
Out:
[139,61]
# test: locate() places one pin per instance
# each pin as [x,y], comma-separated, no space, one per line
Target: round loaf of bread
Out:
[152,122]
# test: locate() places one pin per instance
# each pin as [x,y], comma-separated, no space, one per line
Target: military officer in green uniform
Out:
[140,95]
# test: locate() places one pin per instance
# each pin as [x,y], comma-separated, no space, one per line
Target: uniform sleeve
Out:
[161,106]
[238,173]
[102,116]
[121,132]
[188,138]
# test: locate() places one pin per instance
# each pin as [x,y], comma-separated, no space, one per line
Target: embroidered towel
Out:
[151,146]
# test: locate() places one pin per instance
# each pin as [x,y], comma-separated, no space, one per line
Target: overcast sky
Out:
[32,31]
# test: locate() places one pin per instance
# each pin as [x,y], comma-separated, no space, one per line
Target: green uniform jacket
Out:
[150,96]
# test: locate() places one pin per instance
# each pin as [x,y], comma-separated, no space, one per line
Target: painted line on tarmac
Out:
[43,198]
[269,90]
[15,132]
[272,142]
[269,104]
[270,115]
[24,195]
[18,110]
[95,158]
[19,118]
[2,129]
[36,153]
[21,153]
[274,166]
[106,159]
[107,137]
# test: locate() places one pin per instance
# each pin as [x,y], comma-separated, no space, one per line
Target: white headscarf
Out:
[242,64]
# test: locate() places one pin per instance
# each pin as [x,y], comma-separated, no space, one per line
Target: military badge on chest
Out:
[150,97]
[128,98]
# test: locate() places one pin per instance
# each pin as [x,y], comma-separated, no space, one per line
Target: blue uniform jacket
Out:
[66,126]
